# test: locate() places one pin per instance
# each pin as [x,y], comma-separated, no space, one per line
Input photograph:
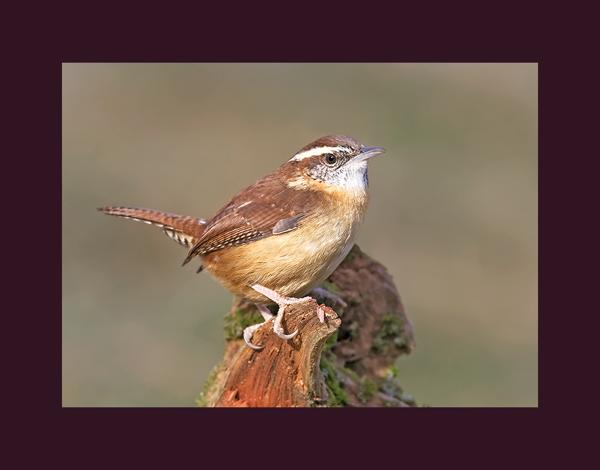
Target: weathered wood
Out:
[354,367]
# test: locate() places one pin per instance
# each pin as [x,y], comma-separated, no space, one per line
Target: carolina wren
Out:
[285,234]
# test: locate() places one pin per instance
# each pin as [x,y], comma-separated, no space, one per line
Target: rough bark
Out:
[346,361]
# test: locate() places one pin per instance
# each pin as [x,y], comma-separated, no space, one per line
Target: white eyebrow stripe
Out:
[317,151]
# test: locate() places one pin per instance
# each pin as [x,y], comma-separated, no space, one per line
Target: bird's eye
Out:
[330,159]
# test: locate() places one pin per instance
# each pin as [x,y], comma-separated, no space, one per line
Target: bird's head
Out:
[335,161]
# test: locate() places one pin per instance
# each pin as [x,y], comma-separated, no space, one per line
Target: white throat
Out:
[353,177]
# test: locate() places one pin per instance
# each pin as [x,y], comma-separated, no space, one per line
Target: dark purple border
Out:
[449,436]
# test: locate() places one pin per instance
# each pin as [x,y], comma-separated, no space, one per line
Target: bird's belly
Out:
[291,263]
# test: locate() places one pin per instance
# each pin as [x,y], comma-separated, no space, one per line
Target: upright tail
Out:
[184,229]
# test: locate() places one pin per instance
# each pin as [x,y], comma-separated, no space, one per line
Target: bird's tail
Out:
[183,229]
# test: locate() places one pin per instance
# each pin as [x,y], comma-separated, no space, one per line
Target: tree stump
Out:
[346,361]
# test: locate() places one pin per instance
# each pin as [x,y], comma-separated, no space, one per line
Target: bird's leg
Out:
[278,298]
[282,301]
[249,331]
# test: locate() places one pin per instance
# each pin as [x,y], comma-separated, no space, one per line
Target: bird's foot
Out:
[278,328]
[249,331]
[278,298]
[283,301]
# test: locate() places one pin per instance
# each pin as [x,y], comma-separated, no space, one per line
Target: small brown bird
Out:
[284,235]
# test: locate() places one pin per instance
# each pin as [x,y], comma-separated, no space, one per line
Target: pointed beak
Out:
[368,152]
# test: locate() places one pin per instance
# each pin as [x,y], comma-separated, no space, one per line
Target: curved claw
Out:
[279,332]
[248,332]
[278,329]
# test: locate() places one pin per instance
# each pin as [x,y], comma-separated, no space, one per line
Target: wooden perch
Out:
[284,373]
[346,361]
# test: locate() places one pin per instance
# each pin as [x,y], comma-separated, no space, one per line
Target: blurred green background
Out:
[453,214]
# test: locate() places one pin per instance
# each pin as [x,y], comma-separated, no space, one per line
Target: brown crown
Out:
[332,141]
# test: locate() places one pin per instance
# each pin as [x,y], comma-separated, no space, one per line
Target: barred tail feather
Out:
[184,230]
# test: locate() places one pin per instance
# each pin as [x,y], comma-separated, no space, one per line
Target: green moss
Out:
[337,395]
[331,341]
[351,373]
[202,399]
[368,388]
[390,334]
[237,321]
[393,372]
